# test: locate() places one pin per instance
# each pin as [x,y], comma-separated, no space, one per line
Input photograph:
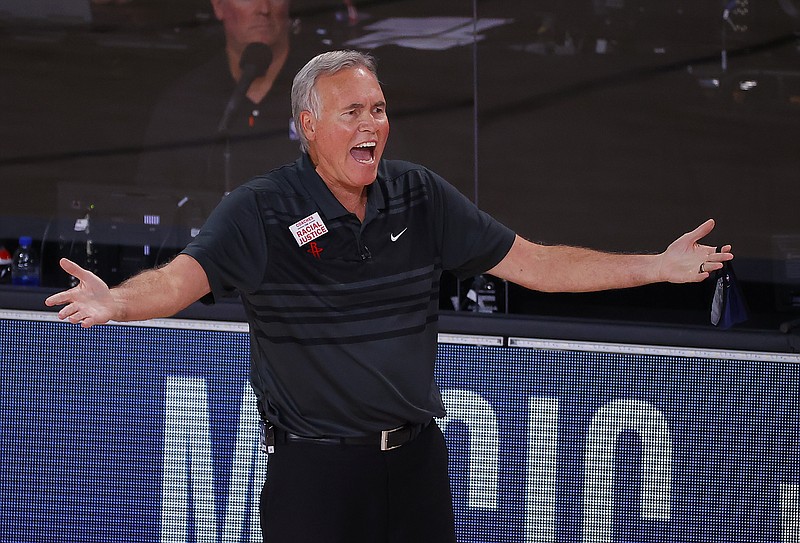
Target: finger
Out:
[75,315]
[79,317]
[75,318]
[88,322]
[67,311]
[701,231]
[726,251]
[60,298]
[709,267]
[73,269]
[55,299]
[719,254]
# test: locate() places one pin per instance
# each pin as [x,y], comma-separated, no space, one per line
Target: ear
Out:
[217,6]
[308,124]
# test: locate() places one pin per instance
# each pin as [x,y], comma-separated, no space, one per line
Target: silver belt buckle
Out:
[385,439]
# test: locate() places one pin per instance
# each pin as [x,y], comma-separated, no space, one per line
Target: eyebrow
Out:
[357,105]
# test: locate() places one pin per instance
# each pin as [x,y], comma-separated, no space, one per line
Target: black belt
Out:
[385,440]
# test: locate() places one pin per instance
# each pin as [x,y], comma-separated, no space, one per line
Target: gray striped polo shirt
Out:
[343,314]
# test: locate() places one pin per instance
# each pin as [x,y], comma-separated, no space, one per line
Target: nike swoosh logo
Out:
[395,238]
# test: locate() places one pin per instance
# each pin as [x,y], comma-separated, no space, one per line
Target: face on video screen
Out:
[248,21]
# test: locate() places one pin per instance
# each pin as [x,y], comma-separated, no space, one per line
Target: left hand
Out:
[687,261]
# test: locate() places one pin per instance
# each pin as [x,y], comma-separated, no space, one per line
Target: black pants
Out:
[320,493]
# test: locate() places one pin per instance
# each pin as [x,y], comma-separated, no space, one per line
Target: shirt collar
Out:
[330,207]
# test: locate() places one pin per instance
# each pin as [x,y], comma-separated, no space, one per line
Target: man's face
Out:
[250,21]
[347,138]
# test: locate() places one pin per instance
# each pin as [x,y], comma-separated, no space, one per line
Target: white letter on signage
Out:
[540,494]
[606,426]
[790,513]
[481,423]
[187,439]
[247,464]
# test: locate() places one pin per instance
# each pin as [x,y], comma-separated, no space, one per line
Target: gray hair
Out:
[304,94]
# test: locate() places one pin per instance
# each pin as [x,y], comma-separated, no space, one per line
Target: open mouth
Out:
[364,153]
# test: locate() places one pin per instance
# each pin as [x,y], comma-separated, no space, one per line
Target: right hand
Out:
[87,304]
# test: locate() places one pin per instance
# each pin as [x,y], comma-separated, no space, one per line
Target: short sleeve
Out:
[231,246]
[472,241]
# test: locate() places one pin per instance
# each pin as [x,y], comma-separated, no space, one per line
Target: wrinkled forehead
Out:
[355,85]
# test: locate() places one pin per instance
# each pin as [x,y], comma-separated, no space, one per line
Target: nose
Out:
[366,125]
[367,122]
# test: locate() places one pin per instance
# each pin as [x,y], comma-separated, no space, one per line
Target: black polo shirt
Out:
[342,313]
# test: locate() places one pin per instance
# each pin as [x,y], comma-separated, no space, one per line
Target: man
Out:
[186,145]
[337,258]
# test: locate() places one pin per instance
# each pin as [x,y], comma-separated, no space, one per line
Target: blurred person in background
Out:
[186,146]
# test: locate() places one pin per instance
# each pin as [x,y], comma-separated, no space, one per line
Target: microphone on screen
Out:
[255,60]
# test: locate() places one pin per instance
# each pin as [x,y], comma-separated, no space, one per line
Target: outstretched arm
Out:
[159,292]
[574,269]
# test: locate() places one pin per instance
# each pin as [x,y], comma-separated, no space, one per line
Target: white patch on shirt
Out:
[308,229]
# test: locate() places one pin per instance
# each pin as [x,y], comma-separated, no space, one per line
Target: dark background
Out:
[607,123]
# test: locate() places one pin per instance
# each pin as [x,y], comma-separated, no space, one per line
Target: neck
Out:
[353,199]
[354,202]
